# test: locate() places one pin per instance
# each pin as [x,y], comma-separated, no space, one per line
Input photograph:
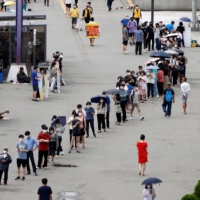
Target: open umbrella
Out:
[96,99]
[171,52]
[172,35]
[151,181]
[179,51]
[185,19]
[113,91]
[160,54]
[9,3]
[151,67]
[62,120]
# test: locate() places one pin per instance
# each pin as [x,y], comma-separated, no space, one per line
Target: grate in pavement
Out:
[61,165]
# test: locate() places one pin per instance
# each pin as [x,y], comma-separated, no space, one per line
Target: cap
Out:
[5,148]
[128,70]
[104,92]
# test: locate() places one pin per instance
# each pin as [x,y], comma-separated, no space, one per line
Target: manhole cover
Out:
[59,165]
[68,195]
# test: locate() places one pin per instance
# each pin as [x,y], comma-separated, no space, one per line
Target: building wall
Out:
[177,5]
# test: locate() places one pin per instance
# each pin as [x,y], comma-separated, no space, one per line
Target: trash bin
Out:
[1,71]
[193,43]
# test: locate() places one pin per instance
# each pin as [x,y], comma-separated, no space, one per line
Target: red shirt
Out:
[160,76]
[43,146]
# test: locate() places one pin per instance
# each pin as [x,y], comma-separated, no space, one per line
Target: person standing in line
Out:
[86,14]
[132,26]
[79,107]
[137,14]
[168,98]
[108,110]
[82,126]
[135,101]
[142,79]
[43,149]
[150,83]
[68,4]
[5,160]
[138,37]
[185,88]
[170,27]
[144,30]
[125,39]
[22,149]
[74,14]
[109,4]
[181,29]
[44,192]
[123,96]
[35,80]
[142,147]
[124,21]
[101,114]
[160,81]
[150,37]
[53,143]
[30,141]
[90,112]
[76,2]
[59,129]
[90,8]
[53,76]
[118,108]
[157,37]
[179,37]
[69,122]
[76,133]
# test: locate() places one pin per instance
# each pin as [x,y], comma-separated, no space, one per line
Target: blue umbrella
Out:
[185,19]
[150,181]
[96,99]
[62,120]
[113,91]
[160,54]
[151,67]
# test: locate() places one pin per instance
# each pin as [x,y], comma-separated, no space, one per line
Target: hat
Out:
[104,92]
[128,70]
[44,127]
[168,84]
[5,148]
[54,117]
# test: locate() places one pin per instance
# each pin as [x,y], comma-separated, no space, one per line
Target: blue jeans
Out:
[169,107]
[30,155]
[179,42]
[158,45]
[155,89]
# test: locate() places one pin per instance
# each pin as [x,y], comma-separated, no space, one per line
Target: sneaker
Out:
[36,174]
[144,51]
[165,114]
[17,178]
[7,111]
[131,117]
[126,52]
[62,153]
[141,118]
[45,168]
[23,178]
[157,96]
[38,167]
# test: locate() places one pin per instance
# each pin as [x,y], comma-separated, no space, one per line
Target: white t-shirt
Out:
[68,1]
[185,88]
[149,78]
[70,125]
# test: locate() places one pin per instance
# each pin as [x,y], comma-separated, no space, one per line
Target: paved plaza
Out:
[107,168]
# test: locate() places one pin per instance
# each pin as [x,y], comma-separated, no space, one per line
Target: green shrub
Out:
[197,189]
[190,197]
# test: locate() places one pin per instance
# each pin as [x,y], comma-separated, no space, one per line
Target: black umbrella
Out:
[96,99]
[160,54]
[113,91]
[179,51]
[151,181]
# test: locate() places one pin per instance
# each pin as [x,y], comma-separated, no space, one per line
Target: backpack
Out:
[168,96]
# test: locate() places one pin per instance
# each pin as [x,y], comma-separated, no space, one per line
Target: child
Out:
[118,108]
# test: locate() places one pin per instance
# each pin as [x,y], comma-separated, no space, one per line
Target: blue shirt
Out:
[34,75]
[88,115]
[123,94]
[22,146]
[138,35]
[155,71]
[31,142]
[125,21]
[170,27]
[130,87]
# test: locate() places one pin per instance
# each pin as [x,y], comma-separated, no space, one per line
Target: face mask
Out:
[80,114]
[128,73]
[74,7]
[126,17]
[5,152]
[20,139]
[57,124]
[121,88]
[101,101]
[27,137]
[44,131]
[148,186]
[88,106]
[51,131]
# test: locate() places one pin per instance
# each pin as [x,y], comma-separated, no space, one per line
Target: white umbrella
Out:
[171,52]
[172,35]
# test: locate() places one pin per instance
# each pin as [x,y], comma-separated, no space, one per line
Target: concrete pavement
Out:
[107,168]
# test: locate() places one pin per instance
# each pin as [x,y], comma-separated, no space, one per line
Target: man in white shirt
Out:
[179,38]
[185,88]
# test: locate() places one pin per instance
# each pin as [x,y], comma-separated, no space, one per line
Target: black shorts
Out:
[74,21]
[68,5]
[52,152]
[125,43]
[82,132]
[21,162]
[35,88]
[131,34]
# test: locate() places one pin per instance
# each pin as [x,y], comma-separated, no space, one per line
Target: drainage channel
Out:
[61,165]
[68,196]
